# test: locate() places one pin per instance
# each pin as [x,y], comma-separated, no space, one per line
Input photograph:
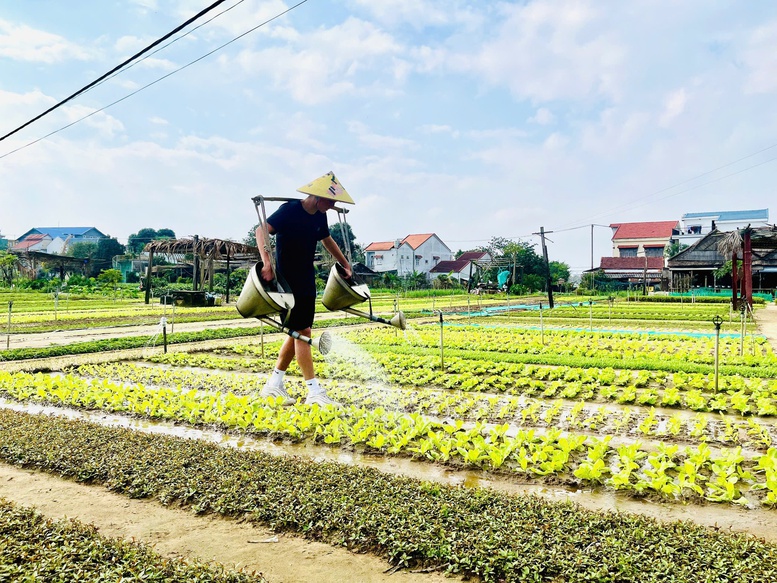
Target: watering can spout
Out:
[398,320]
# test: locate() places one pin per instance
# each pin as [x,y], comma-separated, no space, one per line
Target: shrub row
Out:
[129,342]
[35,548]
[412,523]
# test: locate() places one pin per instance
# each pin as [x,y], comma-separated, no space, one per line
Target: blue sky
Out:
[466,119]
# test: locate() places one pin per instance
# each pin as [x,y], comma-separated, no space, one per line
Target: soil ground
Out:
[176,533]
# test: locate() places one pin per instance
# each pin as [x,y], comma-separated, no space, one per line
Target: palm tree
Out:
[730,245]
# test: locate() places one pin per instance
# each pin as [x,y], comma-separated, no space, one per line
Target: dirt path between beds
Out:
[766,323]
[178,533]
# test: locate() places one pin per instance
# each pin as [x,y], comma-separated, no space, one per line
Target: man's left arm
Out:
[331,245]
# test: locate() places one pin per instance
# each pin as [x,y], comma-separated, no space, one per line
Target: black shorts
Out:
[302,314]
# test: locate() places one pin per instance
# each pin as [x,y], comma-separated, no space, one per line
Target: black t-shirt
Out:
[296,234]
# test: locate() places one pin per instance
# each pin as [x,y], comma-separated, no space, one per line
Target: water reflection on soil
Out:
[759,522]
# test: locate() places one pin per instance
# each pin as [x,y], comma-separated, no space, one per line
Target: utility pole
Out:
[592,248]
[549,283]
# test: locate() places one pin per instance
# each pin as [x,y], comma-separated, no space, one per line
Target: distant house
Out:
[415,253]
[648,239]
[632,271]
[696,266]
[694,226]
[58,239]
[33,242]
[464,267]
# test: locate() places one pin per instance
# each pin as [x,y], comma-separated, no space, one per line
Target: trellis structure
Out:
[750,250]
[205,252]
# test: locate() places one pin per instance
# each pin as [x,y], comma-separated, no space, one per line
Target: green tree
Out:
[674,248]
[7,265]
[357,252]
[83,249]
[110,277]
[558,271]
[107,249]
[136,241]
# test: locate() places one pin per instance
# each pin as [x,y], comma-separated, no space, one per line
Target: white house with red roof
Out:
[462,268]
[415,253]
[647,239]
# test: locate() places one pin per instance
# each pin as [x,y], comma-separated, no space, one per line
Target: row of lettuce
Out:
[692,473]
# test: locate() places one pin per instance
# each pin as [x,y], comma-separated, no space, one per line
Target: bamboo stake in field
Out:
[717,320]
[542,327]
[590,315]
[442,359]
[8,338]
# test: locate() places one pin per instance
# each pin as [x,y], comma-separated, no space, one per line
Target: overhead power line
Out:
[163,77]
[116,68]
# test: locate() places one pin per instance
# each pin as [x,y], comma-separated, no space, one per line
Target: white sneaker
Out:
[321,399]
[276,391]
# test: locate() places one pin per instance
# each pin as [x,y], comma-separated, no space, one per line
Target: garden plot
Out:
[630,415]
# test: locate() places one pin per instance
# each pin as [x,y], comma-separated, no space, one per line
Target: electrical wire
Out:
[116,69]
[175,40]
[163,77]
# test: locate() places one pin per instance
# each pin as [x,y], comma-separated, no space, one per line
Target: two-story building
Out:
[415,253]
[694,226]
[648,239]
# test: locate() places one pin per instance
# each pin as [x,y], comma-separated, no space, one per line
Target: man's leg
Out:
[274,385]
[285,354]
[304,355]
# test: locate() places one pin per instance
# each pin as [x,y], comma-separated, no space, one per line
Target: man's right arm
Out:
[263,231]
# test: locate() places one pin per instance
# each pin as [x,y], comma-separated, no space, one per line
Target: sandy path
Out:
[766,322]
[176,533]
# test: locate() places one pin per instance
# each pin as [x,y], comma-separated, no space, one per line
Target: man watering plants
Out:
[298,226]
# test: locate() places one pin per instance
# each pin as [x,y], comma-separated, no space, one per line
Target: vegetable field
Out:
[660,410]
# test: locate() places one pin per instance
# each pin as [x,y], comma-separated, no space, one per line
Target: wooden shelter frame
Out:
[204,251]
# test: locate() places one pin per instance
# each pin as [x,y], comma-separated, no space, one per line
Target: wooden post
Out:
[734,279]
[227,275]
[547,268]
[8,337]
[195,263]
[747,268]
[148,275]
[210,274]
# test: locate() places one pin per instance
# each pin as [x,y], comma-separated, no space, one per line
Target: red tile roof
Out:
[380,246]
[643,230]
[473,255]
[457,265]
[415,241]
[631,263]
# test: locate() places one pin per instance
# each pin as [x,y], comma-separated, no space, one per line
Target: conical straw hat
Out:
[327,187]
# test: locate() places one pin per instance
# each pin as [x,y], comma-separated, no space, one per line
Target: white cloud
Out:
[107,125]
[22,43]
[674,105]
[379,142]
[439,129]
[154,63]
[418,14]
[543,116]
[760,56]
[324,64]
[547,51]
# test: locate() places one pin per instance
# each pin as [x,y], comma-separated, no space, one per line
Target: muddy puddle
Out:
[758,522]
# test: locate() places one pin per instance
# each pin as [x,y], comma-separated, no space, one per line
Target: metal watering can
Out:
[260,299]
[341,293]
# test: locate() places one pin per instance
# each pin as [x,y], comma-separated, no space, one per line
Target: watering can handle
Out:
[262,214]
